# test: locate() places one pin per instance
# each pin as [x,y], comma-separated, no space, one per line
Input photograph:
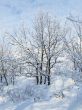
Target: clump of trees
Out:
[40,47]
[44,48]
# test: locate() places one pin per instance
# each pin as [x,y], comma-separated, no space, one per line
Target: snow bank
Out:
[26,95]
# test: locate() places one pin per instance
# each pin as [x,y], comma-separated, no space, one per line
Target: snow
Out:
[42,97]
[2,99]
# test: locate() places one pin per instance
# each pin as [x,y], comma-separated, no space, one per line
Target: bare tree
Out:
[52,43]
[75,44]
[3,65]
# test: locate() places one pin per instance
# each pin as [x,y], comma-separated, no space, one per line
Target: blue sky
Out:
[13,12]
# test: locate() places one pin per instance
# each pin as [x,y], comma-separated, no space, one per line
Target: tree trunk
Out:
[41,74]
[48,80]
[1,78]
[46,73]
[49,71]
[37,78]
[13,79]
[41,67]
[5,79]
[45,80]
[40,79]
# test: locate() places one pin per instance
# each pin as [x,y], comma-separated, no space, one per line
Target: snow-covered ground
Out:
[62,94]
